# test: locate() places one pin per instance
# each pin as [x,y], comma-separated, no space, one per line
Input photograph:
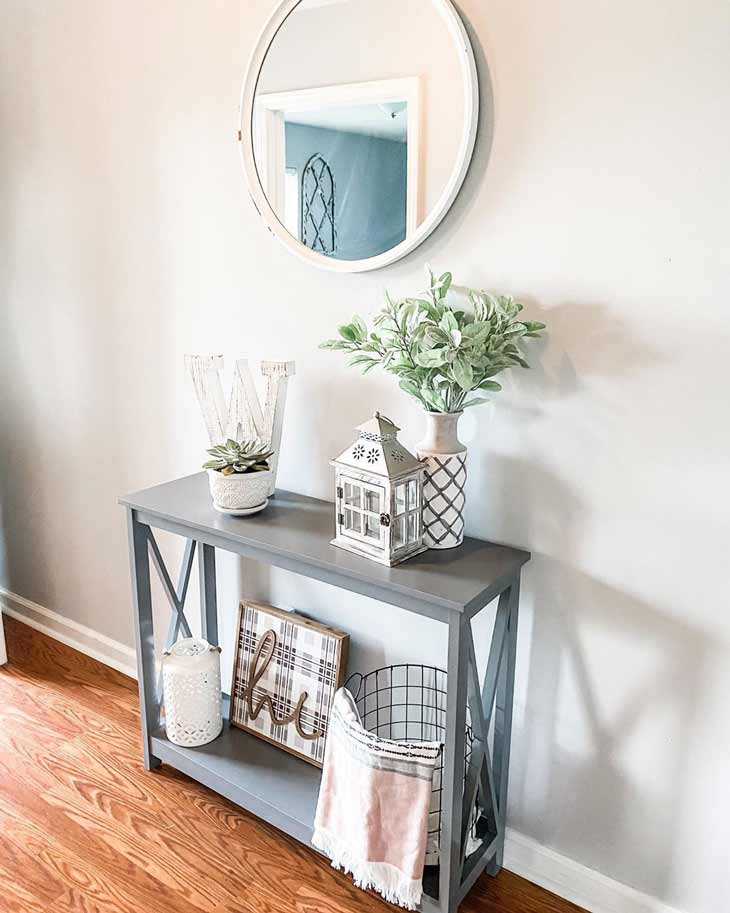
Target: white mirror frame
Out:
[443,205]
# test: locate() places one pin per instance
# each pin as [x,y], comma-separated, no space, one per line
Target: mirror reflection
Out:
[358,122]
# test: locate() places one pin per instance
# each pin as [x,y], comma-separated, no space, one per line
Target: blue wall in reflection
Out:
[370,186]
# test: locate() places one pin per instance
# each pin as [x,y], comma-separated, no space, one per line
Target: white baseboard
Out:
[522,855]
[574,882]
[85,640]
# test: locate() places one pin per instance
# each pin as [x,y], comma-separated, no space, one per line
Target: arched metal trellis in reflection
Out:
[318,206]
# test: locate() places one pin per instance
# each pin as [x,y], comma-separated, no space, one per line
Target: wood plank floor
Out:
[85,829]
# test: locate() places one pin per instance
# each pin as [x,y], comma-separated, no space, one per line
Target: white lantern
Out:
[191,684]
[379,496]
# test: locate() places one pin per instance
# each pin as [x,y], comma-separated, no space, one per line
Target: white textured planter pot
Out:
[240,491]
[444,486]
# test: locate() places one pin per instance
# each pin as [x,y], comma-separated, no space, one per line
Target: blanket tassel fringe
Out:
[382,877]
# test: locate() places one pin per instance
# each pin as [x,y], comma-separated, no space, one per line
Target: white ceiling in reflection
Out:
[368,120]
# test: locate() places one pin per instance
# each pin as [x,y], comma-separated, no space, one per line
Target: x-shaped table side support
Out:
[143,545]
[485,783]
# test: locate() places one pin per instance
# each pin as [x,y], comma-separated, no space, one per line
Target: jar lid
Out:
[189,652]
[190,646]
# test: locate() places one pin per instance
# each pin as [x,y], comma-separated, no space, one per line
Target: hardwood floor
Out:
[85,829]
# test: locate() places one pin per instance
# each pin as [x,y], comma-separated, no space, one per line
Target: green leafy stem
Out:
[443,357]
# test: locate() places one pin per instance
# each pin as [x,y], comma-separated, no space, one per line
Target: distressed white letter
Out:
[244,417]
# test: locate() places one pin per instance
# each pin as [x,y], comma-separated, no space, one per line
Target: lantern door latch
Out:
[385,519]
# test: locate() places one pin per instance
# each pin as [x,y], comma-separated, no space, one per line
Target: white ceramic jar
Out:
[191,685]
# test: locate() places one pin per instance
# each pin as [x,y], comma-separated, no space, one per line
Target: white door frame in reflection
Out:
[270,125]
[453,22]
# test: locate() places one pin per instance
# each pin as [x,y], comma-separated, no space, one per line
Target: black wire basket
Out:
[407,702]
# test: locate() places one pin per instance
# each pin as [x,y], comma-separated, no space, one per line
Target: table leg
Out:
[453,774]
[208,593]
[503,722]
[144,634]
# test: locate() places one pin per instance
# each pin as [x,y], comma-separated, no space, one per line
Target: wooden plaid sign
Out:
[285,674]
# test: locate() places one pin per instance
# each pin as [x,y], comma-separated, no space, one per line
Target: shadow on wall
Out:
[605,346]
[577,784]
[581,782]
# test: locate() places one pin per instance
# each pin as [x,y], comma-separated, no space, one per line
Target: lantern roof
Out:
[379,428]
[377,451]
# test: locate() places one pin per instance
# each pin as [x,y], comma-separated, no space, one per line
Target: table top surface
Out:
[296,532]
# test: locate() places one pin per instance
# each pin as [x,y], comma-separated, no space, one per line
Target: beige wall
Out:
[127,239]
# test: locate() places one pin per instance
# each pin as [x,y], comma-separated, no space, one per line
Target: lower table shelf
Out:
[262,779]
[266,781]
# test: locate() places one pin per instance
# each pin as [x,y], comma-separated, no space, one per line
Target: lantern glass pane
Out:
[353,494]
[412,528]
[372,501]
[399,532]
[353,521]
[412,494]
[372,527]
[400,498]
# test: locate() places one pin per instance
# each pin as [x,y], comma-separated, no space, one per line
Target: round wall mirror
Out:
[358,122]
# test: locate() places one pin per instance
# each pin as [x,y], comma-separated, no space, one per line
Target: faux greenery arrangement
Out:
[239,457]
[442,356]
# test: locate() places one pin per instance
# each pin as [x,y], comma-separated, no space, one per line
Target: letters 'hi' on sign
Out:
[243,418]
[286,670]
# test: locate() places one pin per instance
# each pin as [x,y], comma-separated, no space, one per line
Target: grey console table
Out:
[294,533]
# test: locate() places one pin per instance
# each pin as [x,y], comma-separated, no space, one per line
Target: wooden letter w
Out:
[244,418]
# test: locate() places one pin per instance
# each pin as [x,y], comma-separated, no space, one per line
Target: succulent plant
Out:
[239,457]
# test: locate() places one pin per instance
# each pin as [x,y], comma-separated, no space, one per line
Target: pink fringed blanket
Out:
[372,814]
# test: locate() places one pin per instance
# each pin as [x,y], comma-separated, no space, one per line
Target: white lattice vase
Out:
[191,684]
[444,486]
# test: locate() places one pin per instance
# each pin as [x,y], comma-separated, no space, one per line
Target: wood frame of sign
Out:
[286,670]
